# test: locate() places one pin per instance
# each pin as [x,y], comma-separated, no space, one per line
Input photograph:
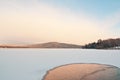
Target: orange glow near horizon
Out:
[45,23]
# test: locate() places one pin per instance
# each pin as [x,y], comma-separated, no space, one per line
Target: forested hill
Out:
[44,45]
[54,45]
[104,44]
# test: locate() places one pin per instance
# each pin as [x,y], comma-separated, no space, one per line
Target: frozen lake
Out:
[32,64]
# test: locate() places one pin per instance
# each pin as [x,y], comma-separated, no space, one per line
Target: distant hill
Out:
[44,45]
[54,45]
[100,44]
[104,44]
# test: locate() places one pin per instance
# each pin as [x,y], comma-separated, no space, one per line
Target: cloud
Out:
[35,21]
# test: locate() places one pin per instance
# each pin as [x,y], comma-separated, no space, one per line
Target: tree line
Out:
[103,44]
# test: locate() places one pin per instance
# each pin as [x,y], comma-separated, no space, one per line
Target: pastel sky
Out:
[69,21]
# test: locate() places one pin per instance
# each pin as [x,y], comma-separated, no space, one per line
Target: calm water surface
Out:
[32,64]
